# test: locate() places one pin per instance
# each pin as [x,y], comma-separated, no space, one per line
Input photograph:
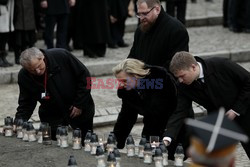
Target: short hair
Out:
[150,3]
[181,61]
[132,67]
[28,54]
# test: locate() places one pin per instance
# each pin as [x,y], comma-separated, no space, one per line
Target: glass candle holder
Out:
[19,128]
[147,153]
[179,155]
[130,145]
[100,157]
[1,130]
[31,132]
[58,132]
[117,157]
[87,139]
[142,143]
[111,161]
[158,157]
[39,135]
[64,137]
[24,130]
[110,143]
[93,143]
[72,161]
[47,135]
[8,126]
[155,142]
[77,139]
[164,154]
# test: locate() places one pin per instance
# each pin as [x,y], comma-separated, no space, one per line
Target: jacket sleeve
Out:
[81,74]
[125,121]
[176,120]
[26,101]
[242,77]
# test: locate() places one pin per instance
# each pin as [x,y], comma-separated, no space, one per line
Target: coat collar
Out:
[207,70]
[52,65]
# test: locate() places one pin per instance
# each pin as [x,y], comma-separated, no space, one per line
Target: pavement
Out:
[207,38]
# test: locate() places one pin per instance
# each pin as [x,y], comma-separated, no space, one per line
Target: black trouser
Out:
[3,40]
[178,7]
[61,33]
[117,31]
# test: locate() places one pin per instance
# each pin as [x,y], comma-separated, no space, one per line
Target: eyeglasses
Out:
[144,14]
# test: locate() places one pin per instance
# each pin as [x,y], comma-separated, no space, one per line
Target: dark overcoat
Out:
[24,17]
[92,21]
[227,85]
[66,86]
[156,105]
[161,42]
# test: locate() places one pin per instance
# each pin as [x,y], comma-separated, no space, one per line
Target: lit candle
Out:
[19,128]
[142,142]
[164,154]
[110,143]
[147,153]
[179,155]
[117,157]
[1,130]
[77,140]
[31,132]
[77,144]
[64,137]
[93,143]
[24,130]
[58,132]
[100,157]
[87,138]
[46,134]
[8,126]
[158,157]
[130,146]
[111,161]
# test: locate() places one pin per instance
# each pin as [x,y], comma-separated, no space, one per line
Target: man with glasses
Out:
[57,80]
[159,36]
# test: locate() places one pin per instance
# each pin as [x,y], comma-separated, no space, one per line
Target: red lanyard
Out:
[45,81]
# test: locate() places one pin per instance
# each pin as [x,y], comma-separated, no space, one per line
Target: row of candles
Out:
[149,151]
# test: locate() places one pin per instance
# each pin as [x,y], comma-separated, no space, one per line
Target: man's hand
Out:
[166,142]
[44,4]
[230,114]
[75,112]
[72,3]
[113,19]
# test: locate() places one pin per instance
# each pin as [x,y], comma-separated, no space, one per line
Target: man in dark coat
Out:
[154,97]
[212,83]
[57,80]
[159,36]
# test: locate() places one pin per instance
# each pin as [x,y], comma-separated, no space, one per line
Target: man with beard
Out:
[156,40]
[159,36]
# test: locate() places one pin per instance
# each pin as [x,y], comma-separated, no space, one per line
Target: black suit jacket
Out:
[227,85]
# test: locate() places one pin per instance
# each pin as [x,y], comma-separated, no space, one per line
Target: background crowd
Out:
[91,25]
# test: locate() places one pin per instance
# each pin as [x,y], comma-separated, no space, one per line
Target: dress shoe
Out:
[234,29]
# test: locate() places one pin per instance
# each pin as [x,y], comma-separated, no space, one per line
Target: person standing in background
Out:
[6,27]
[24,23]
[118,11]
[57,12]
[93,27]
